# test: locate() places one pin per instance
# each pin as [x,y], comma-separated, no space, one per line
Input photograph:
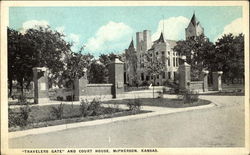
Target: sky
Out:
[111,29]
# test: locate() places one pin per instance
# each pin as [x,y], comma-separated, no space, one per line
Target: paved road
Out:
[219,126]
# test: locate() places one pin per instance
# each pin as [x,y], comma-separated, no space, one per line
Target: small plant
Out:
[58,111]
[22,100]
[59,98]
[19,118]
[84,106]
[69,98]
[95,107]
[190,96]
[135,105]
[160,94]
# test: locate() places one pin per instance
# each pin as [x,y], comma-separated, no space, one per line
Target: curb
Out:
[164,111]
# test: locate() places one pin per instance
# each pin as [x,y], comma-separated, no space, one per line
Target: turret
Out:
[194,28]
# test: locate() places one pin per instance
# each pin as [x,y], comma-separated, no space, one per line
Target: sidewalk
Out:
[156,111]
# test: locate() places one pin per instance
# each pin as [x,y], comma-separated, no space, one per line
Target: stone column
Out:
[80,87]
[217,84]
[184,76]
[41,87]
[116,71]
[205,80]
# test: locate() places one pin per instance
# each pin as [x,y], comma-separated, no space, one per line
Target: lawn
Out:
[161,102]
[43,116]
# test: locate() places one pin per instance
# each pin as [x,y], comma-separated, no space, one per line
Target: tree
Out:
[97,73]
[199,52]
[131,62]
[154,65]
[105,60]
[35,48]
[75,68]
[230,56]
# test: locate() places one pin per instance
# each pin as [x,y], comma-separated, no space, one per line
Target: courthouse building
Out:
[160,48]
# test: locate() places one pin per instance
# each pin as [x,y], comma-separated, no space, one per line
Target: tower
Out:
[147,40]
[194,28]
[139,41]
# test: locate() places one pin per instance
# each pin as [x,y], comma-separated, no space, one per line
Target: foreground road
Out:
[219,126]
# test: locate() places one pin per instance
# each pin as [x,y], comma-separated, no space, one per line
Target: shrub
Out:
[135,105]
[19,118]
[59,98]
[95,107]
[58,111]
[22,100]
[173,85]
[160,94]
[84,106]
[190,96]
[69,98]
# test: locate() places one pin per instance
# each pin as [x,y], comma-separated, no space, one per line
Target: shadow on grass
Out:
[161,102]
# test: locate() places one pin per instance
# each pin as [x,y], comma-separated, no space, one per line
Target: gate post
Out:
[217,85]
[205,80]
[116,71]
[184,75]
[80,86]
[41,87]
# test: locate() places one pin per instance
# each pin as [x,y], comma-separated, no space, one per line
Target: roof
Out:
[131,44]
[172,43]
[161,39]
[193,20]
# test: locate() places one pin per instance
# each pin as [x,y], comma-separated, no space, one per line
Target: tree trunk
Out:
[21,84]
[10,86]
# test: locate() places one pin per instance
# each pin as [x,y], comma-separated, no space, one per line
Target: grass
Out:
[41,116]
[162,102]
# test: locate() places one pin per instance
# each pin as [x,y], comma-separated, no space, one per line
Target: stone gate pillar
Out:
[80,87]
[41,87]
[184,75]
[205,80]
[116,71]
[217,84]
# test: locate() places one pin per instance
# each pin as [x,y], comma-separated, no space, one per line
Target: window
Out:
[163,53]
[168,62]
[142,76]
[147,78]
[163,75]
[157,76]
[169,75]
[175,76]
[174,61]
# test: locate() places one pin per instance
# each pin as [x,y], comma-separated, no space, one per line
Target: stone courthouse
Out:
[161,48]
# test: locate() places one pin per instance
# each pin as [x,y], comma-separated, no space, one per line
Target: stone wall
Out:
[99,89]
[197,86]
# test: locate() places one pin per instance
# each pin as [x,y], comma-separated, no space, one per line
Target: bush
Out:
[69,98]
[190,96]
[84,107]
[134,105]
[19,118]
[58,111]
[173,85]
[95,107]
[160,94]
[22,100]
[59,98]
